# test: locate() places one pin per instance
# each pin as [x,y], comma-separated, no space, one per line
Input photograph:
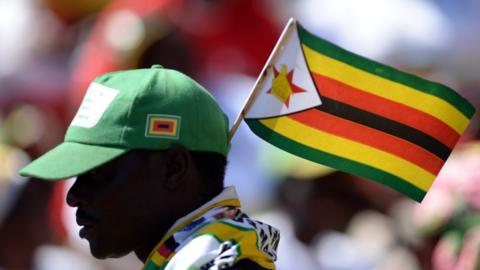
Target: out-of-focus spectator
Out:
[29,214]
[71,12]
[382,30]
[28,226]
[450,212]
[204,39]
[11,184]
[333,220]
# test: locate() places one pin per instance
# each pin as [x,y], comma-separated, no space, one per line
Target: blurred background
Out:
[50,50]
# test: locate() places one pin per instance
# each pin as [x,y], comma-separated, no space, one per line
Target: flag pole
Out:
[263,75]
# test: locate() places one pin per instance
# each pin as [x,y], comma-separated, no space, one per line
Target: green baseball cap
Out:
[135,109]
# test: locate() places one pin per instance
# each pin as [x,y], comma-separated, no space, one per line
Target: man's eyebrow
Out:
[145,153]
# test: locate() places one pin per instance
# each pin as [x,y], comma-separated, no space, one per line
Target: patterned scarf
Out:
[215,236]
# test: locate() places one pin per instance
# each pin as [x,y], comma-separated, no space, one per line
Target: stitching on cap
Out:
[144,84]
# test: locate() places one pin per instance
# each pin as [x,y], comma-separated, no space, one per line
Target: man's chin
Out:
[98,253]
[102,254]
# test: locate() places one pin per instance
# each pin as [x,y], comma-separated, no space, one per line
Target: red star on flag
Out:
[282,86]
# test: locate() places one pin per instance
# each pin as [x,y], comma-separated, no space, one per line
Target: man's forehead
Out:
[126,160]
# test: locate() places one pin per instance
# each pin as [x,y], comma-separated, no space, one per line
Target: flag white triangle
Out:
[275,96]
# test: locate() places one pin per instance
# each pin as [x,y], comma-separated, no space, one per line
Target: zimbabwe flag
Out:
[331,106]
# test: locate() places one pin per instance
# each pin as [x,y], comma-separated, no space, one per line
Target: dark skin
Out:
[128,204]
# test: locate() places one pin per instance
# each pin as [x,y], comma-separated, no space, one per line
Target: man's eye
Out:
[94,174]
[96,177]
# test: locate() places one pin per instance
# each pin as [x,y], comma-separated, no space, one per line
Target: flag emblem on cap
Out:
[163,126]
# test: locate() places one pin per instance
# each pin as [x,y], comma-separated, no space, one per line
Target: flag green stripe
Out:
[334,161]
[378,69]
[151,266]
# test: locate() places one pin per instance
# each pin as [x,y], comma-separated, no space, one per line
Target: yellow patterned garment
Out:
[215,236]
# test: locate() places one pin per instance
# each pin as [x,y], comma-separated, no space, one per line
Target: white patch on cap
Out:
[94,104]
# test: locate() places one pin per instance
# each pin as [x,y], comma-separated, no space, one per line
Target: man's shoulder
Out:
[241,243]
[223,238]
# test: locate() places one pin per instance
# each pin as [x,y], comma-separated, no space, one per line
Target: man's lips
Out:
[85,220]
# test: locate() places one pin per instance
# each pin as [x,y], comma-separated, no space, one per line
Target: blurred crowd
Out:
[50,50]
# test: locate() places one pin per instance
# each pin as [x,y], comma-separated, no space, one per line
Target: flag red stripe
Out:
[164,251]
[369,136]
[389,109]
[162,125]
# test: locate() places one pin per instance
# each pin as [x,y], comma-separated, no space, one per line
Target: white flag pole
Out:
[253,94]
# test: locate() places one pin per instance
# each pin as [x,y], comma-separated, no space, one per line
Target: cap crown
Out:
[149,109]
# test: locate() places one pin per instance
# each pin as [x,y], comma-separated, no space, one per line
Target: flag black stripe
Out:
[386,125]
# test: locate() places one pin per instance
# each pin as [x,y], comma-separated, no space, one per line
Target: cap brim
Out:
[70,159]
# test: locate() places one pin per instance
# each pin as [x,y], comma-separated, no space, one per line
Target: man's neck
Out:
[144,251]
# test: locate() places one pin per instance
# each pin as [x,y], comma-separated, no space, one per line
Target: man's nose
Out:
[74,194]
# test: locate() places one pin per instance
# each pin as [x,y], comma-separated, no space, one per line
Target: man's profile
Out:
[149,150]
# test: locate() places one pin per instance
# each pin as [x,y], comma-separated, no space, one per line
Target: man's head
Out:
[130,202]
[148,146]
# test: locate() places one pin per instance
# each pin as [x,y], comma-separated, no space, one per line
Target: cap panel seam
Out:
[129,113]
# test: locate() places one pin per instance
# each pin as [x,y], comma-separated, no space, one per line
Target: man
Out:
[149,148]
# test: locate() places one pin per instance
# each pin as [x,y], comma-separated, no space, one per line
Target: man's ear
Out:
[179,166]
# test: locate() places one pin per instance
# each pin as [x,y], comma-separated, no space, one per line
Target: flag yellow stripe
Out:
[157,259]
[382,87]
[345,148]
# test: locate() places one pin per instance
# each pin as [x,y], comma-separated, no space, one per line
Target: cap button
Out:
[156,66]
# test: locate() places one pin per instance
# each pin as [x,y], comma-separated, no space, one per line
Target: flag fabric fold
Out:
[331,106]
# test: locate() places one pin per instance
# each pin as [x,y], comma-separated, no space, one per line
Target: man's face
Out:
[121,205]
